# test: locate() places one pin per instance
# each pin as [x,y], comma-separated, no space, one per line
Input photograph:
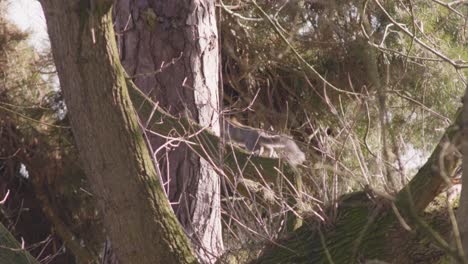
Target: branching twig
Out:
[285,40]
[454,63]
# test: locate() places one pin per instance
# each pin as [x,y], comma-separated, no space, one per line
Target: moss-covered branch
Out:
[365,223]
[11,251]
[235,161]
[429,180]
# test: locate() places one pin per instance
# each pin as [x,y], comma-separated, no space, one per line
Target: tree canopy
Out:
[370,91]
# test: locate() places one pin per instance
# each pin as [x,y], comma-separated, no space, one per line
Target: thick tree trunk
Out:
[170,50]
[140,223]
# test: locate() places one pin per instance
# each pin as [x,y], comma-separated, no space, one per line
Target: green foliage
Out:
[26,91]
[329,36]
[265,85]
[34,132]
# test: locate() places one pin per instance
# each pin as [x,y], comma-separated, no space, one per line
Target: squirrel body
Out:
[257,141]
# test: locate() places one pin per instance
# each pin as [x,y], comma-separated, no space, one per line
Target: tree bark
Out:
[170,50]
[119,167]
[140,223]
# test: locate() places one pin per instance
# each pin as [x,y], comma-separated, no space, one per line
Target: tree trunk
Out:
[140,223]
[170,50]
[115,158]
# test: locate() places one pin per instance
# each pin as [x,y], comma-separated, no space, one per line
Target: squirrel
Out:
[257,141]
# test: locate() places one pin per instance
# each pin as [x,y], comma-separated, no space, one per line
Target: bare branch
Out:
[455,63]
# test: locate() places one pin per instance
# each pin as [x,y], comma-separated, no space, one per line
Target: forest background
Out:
[371,91]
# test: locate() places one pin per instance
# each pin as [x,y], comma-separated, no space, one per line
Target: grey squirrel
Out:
[257,141]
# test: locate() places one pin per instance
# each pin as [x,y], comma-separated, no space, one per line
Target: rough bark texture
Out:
[170,50]
[140,223]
